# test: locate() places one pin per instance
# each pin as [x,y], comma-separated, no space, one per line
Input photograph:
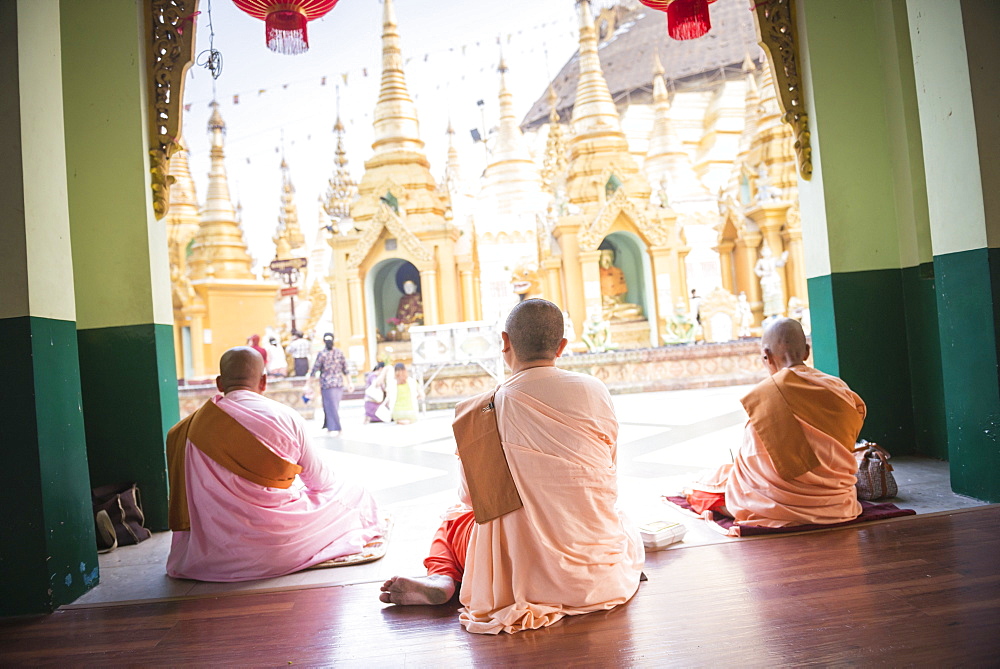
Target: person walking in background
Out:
[402,393]
[331,365]
[374,392]
[277,364]
[300,349]
[254,343]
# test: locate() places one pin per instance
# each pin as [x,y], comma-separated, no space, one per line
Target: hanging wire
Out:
[211,58]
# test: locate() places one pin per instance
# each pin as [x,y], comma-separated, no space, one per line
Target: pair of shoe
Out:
[107,541]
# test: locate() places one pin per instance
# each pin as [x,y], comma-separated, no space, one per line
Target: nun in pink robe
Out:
[240,530]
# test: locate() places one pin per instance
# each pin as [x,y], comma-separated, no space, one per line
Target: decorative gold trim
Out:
[592,235]
[388,219]
[169,53]
[777,35]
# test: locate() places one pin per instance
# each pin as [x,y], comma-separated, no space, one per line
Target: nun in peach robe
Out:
[568,550]
[252,498]
[796,465]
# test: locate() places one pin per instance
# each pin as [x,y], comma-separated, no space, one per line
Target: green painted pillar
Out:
[865,223]
[121,273]
[954,56]
[48,553]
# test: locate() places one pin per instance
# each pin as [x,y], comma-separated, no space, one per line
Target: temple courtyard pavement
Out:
[665,440]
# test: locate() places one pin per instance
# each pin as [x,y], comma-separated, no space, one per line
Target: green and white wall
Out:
[89,388]
[120,269]
[902,296]
[48,554]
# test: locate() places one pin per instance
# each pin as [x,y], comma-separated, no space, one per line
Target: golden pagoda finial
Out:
[453,170]
[554,163]
[219,250]
[341,188]
[594,107]
[509,143]
[182,217]
[657,65]
[288,218]
[396,125]
[598,147]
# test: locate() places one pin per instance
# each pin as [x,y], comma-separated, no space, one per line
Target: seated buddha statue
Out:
[411,308]
[613,290]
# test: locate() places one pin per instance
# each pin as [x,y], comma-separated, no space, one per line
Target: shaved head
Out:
[786,342]
[535,330]
[240,368]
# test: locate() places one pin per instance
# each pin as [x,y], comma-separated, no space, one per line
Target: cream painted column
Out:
[663,278]
[590,271]
[448,285]
[725,251]
[795,273]
[468,291]
[429,292]
[681,269]
[746,280]
[567,233]
[553,287]
[357,300]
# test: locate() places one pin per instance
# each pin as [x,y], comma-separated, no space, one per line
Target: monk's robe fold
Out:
[220,436]
[250,516]
[487,474]
[776,406]
[568,550]
[774,482]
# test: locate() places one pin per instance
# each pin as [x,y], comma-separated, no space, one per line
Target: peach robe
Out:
[242,530]
[756,495]
[568,550]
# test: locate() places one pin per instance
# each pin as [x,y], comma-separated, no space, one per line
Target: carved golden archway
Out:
[778,36]
[170,41]
[386,218]
[620,203]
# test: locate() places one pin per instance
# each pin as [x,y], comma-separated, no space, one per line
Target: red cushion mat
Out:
[869,511]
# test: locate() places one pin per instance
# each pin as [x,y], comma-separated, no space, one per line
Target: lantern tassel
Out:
[286,32]
[688,19]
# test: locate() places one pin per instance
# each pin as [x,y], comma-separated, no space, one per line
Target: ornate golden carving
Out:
[776,33]
[170,51]
[594,234]
[386,218]
[317,305]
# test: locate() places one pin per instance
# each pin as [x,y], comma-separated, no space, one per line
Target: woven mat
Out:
[725,525]
[372,551]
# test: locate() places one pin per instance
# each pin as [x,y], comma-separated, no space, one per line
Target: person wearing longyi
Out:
[250,497]
[796,465]
[537,535]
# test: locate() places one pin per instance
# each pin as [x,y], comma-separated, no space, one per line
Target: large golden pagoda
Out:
[609,216]
[222,302]
[401,231]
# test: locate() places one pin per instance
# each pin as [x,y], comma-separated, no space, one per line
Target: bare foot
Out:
[431,589]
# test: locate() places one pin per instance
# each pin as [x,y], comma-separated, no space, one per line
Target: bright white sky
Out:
[451,54]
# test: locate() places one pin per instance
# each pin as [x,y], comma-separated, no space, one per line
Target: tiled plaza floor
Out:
[666,439]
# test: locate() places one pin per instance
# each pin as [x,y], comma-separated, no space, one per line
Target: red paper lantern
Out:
[686,19]
[285,21]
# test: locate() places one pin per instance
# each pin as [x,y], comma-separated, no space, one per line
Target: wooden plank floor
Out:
[922,590]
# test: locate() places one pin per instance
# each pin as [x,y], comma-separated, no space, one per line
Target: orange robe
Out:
[755,492]
[568,550]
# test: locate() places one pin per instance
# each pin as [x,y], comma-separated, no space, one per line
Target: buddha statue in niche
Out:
[613,290]
[411,309]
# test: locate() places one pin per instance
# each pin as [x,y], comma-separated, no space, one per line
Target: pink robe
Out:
[756,495]
[568,550]
[241,530]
